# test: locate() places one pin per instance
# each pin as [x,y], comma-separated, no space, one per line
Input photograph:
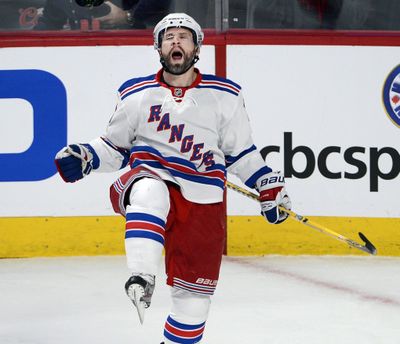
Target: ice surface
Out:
[262,300]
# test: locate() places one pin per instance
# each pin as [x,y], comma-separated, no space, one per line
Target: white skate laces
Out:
[139,289]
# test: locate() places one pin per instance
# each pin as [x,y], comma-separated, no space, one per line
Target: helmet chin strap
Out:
[165,67]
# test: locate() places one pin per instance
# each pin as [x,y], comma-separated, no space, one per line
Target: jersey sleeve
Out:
[241,155]
[113,148]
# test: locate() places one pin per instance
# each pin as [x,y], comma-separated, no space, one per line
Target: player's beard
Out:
[179,68]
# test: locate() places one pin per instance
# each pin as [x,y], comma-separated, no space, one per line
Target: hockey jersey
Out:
[190,136]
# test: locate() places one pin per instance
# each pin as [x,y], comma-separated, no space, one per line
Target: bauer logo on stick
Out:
[391,95]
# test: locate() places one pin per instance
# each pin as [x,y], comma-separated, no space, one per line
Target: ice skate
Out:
[139,289]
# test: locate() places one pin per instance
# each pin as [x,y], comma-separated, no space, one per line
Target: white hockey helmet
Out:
[177,20]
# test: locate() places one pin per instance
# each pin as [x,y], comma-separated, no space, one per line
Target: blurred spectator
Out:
[148,13]
[20,14]
[315,14]
[112,14]
[261,14]
[326,12]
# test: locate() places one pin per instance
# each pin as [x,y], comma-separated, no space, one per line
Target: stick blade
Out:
[369,247]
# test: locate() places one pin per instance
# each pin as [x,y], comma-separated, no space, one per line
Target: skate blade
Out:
[136,293]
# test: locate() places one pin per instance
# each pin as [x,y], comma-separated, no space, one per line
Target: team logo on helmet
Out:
[391,95]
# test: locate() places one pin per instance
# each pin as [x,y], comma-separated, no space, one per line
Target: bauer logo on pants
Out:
[391,95]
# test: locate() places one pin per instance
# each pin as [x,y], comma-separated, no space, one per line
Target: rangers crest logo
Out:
[391,95]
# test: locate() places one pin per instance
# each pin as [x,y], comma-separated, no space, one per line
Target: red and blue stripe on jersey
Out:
[137,84]
[251,181]
[182,333]
[218,83]
[177,167]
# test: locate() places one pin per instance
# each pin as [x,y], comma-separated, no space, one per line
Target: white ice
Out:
[263,300]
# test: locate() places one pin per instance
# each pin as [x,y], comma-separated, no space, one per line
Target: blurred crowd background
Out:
[221,15]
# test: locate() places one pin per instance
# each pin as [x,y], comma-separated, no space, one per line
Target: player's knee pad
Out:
[186,322]
[146,217]
[150,195]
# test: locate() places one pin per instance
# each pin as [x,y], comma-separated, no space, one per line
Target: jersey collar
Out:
[178,92]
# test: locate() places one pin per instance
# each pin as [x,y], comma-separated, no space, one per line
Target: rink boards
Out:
[326,115]
[247,235]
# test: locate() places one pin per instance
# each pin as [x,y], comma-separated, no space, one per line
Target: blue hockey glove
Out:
[272,195]
[75,162]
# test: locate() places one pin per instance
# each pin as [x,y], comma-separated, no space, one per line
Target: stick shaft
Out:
[303,219]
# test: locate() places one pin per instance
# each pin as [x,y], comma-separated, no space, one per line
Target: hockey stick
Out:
[368,247]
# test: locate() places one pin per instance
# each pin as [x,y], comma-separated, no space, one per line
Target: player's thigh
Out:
[194,246]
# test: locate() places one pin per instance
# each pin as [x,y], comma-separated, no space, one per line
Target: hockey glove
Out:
[75,162]
[272,195]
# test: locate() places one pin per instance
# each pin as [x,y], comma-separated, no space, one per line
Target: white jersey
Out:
[189,136]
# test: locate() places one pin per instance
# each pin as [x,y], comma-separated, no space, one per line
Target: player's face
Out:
[178,49]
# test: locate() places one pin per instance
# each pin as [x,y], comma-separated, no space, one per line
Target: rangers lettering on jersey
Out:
[188,144]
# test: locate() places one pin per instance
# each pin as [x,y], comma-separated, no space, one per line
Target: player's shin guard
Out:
[186,322]
[145,225]
[144,238]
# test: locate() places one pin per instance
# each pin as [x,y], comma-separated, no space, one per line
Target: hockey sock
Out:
[177,332]
[186,322]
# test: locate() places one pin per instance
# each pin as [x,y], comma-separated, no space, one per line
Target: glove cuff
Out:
[270,180]
[270,194]
[95,158]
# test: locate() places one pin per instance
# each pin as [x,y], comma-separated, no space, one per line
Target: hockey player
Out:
[179,131]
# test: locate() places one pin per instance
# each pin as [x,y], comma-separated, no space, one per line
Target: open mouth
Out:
[176,55]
